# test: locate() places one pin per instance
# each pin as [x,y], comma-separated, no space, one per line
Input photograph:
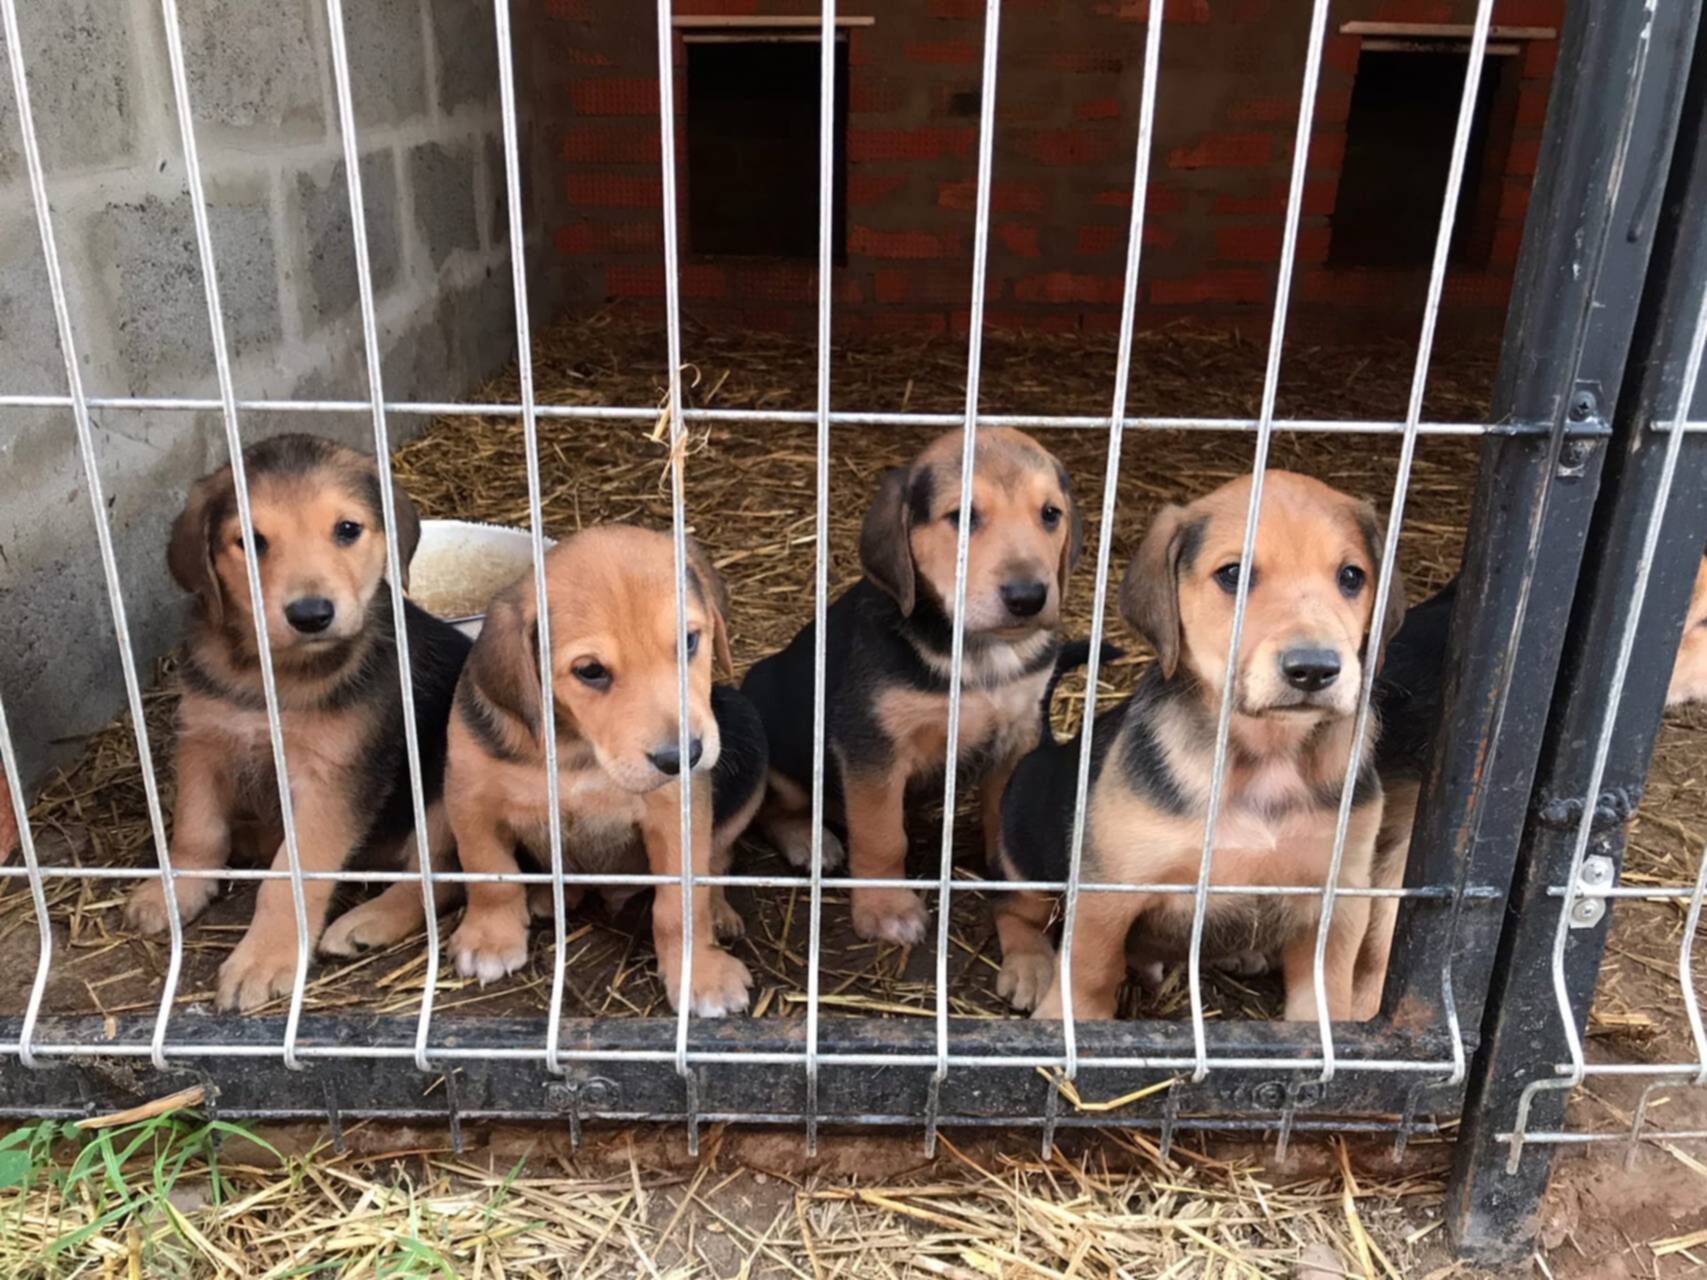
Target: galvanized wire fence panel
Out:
[1387,1076]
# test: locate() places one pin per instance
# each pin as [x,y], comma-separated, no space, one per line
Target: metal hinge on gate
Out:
[1589,904]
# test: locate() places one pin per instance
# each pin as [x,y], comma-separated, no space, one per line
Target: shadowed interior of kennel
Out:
[749,488]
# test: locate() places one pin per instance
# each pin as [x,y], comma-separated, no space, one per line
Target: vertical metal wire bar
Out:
[245,518]
[27,843]
[103,538]
[968,454]
[678,518]
[1686,969]
[394,567]
[1386,570]
[821,543]
[1110,492]
[1259,464]
[1608,730]
[536,517]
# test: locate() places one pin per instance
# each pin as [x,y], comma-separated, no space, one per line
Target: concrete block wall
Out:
[425,92]
[1067,105]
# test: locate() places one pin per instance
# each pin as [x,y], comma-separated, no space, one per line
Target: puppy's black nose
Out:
[1024,599]
[309,614]
[669,759]
[1310,669]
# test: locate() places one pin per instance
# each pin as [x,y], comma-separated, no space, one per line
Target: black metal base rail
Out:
[625,1070]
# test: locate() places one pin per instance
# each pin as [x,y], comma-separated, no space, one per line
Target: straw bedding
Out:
[750,502]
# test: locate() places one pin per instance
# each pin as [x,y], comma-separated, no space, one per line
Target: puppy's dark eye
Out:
[693,643]
[1352,579]
[1227,577]
[1051,515]
[594,675]
[260,543]
[953,518]
[345,532]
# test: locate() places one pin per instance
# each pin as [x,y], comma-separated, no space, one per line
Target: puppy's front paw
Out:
[542,906]
[367,926]
[726,922]
[1243,964]
[145,909]
[1024,978]
[491,943]
[796,846]
[889,915]
[720,984]
[258,971]
[1048,1008]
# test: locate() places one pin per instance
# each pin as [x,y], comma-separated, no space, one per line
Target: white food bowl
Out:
[460,565]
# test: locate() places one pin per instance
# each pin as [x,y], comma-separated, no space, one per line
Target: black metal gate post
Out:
[1610,130]
[1497,1183]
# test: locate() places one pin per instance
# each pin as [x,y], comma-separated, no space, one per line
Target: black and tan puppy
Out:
[1295,684]
[320,547]
[614,685]
[887,660]
[1408,695]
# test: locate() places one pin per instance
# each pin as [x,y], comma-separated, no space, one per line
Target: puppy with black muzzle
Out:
[1295,683]
[320,549]
[887,646]
[615,693]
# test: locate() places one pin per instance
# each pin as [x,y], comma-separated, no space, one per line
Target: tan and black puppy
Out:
[613,671]
[320,548]
[887,645]
[1689,674]
[1294,684]
[1408,696]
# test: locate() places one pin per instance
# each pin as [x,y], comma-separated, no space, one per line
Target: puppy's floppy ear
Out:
[1074,546]
[189,553]
[1374,535]
[408,529]
[716,599]
[885,540]
[504,663]
[1149,593]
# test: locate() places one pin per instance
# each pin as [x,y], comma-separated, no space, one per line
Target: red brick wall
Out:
[1067,105]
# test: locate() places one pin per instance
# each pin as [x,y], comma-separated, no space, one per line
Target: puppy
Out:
[1295,684]
[1408,696]
[1689,674]
[320,544]
[887,645]
[613,670]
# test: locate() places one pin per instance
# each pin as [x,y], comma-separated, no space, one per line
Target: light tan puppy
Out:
[614,685]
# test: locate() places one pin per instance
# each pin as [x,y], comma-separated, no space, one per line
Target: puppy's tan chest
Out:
[603,825]
[991,721]
[317,747]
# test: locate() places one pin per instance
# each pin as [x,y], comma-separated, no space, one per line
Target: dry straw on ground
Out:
[1108,1209]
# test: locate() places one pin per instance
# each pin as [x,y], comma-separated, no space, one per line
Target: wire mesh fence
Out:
[1577,312]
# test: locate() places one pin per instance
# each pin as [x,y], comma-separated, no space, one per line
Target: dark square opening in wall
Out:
[752,133]
[1404,112]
